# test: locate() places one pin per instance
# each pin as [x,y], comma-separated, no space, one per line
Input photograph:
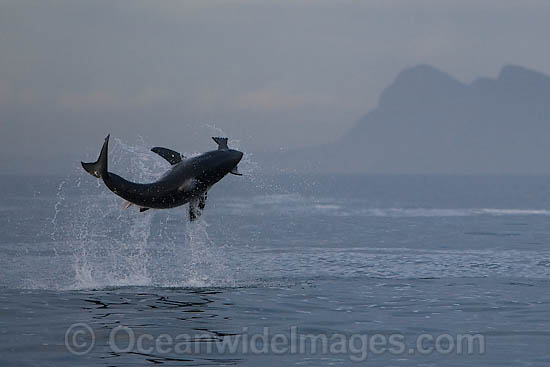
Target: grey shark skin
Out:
[187,181]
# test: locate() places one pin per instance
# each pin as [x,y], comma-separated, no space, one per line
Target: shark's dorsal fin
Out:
[168,154]
[222,142]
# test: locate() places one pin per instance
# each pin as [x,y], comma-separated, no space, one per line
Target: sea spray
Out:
[106,246]
[207,261]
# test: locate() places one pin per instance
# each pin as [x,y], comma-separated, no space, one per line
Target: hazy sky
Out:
[270,73]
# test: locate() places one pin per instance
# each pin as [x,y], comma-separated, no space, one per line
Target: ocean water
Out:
[292,269]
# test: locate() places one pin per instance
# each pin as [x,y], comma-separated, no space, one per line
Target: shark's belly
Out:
[161,200]
[156,195]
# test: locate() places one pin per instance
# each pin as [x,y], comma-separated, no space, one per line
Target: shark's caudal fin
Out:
[99,167]
[222,142]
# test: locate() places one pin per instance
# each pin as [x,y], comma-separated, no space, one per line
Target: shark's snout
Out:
[233,159]
[236,156]
[223,162]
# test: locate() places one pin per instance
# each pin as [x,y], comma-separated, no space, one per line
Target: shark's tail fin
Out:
[99,167]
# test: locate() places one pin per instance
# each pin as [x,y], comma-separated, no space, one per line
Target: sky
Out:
[271,74]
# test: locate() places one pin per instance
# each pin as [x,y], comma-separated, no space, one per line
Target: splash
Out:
[105,246]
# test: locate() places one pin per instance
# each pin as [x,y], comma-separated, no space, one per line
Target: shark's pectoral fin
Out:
[170,155]
[196,206]
[202,200]
[141,210]
[235,171]
[194,210]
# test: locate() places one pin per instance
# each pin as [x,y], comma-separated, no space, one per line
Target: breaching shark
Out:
[187,181]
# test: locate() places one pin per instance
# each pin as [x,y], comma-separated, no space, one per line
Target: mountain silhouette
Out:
[429,122]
